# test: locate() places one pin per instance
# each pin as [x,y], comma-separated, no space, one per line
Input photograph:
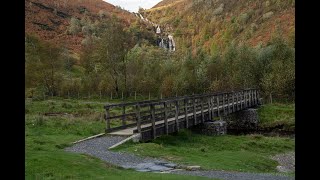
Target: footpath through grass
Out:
[249,153]
[47,136]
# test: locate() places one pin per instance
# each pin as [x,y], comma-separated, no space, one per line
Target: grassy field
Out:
[277,115]
[249,153]
[46,136]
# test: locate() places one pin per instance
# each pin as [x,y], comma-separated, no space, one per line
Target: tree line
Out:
[125,60]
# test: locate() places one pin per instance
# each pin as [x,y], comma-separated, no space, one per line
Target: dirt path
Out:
[98,147]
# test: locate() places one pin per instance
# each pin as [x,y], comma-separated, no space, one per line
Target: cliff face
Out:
[51,20]
[212,24]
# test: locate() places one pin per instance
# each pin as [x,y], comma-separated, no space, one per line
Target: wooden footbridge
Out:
[154,118]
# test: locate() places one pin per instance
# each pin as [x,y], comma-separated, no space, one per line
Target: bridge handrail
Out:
[159,101]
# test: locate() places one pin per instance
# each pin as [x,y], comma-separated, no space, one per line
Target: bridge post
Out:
[107,120]
[223,103]
[177,115]
[212,107]
[255,97]
[202,115]
[218,105]
[153,121]
[228,98]
[237,96]
[123,117]
[241,97]
[138,118]
[232,101]
[250,98]
[209,109]
[194,111]
[245,99]
[165,118]
[186,112]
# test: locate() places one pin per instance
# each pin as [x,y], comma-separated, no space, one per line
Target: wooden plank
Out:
[138,118]
[153,121]
[91,137]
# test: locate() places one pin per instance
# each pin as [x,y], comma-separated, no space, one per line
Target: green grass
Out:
[277,115]
[250,153]
[46,137]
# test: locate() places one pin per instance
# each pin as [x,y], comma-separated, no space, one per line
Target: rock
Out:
[267,15]
[170,165]
[192,168]
[267,3]
[159,168]
[282,169]
[136,138]
[219,10]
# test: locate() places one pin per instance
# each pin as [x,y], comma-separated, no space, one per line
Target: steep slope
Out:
[51,20]
[213,24]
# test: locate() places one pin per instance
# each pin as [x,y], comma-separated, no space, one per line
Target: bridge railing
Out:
[137,114]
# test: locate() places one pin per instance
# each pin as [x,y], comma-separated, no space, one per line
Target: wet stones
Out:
[155,167]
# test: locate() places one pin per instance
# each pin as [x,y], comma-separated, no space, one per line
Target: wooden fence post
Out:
[123,115]
[202,114]
[237,94]
[194,111]
[212,107]
[228,101]
[166,128]
[177,115]
[209,108]
[233,102]
[138,118]
[107,120]
[186,112]
[223,104]
[218,105]
[153,121]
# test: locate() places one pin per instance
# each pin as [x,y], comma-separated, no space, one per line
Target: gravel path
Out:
[286,162]
[97,147]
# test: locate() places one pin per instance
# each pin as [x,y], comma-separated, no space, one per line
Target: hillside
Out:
[212,24]
[51,20]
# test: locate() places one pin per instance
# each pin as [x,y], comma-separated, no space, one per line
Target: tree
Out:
[43,65]
[111,51]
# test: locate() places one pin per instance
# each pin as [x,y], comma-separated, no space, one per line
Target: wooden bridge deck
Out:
[197,108]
